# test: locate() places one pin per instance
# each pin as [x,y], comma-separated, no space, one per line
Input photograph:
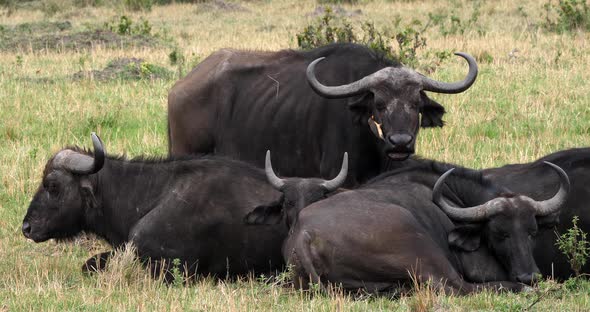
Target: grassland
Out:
[531,99]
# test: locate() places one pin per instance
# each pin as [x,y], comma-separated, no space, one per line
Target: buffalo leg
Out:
[97,263]
[438,270]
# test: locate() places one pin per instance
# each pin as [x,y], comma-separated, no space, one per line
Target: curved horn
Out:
[453,87]
[472,214]
[335,183]
[79,163]
[275,181]
[336,92]
[552,205]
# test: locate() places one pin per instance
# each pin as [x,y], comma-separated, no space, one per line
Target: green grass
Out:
[520,109]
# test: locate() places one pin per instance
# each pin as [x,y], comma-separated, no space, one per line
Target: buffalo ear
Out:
[465,237]
[91,206]
[86,188]
[432,113]
[549,221]
[360,107]
[268,214]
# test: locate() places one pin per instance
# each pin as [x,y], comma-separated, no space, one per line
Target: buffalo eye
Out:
[52,188]
[532,233]
[380,105]
[500,236]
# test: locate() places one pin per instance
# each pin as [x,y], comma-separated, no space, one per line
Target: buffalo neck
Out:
[465,187]
[124,192]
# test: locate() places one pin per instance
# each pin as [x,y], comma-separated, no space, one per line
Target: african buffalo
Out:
[189,208]
[241,103]
[465,234]
[537,181]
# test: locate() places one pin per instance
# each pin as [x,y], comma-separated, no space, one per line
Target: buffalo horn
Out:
[335,183]
[429,84]
[79,163]
[552,205]
[336,92]
[275,181]
[472,214]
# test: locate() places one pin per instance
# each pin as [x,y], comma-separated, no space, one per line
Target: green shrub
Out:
[575,283]
[567,15]
[332,29]
[409,40]
[143,27]
[125,26]
[177,273]
[574,246]
[175,57]
[182,63]
[452,24]
[327,30]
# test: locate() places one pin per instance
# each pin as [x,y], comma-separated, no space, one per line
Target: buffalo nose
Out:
[26,229]
[400,140]
[526,278]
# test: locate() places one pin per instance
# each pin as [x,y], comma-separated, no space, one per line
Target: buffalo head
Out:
[393,99]
[58,208]
[507,224]
[297,194]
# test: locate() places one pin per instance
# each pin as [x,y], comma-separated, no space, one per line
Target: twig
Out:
[278,85]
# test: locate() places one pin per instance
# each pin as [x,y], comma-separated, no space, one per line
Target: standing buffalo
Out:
[463,235]
[191,209]
[536,180]
[241,103]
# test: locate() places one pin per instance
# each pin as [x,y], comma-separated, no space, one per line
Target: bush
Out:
[182,63]
[574,246]
[330,29]
[125,26]
[570,15]
[325,32]
[452,24]
[177,273]
[409,40]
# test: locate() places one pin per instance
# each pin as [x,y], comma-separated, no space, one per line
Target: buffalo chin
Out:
[398,156]
[38,238]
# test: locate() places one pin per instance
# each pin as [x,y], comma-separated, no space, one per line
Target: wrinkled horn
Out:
[354,88]
[453,87]
[335,183]
[472,214]
[552,205]
[275,181]
[79,163]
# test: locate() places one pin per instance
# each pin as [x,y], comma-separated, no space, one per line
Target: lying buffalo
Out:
[519,177]
[460,231]
[191,209]
[241,103]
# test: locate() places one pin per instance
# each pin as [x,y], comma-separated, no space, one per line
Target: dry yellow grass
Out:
[524,105]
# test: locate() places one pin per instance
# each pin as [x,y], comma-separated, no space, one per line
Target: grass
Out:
[524,105]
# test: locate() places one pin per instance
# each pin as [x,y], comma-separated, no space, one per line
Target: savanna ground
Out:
[66,71]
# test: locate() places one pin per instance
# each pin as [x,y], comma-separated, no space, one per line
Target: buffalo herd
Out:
[376,220]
